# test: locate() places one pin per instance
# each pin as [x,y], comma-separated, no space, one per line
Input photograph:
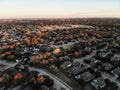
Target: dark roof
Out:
[66,64]
[86,76]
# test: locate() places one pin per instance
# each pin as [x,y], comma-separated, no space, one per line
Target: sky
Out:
[59,8]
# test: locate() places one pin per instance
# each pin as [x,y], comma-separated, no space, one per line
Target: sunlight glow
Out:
[59,8]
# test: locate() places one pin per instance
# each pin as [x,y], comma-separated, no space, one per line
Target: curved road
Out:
[58,82]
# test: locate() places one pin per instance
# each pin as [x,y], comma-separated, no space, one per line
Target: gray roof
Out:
[107,66]
[86,76]
[44,88]
[115,58]
[98,83]
[116,71]
[76,70]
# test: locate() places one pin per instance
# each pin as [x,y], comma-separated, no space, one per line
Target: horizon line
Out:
[56,18]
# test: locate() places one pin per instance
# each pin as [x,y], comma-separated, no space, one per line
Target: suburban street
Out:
[59,84]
